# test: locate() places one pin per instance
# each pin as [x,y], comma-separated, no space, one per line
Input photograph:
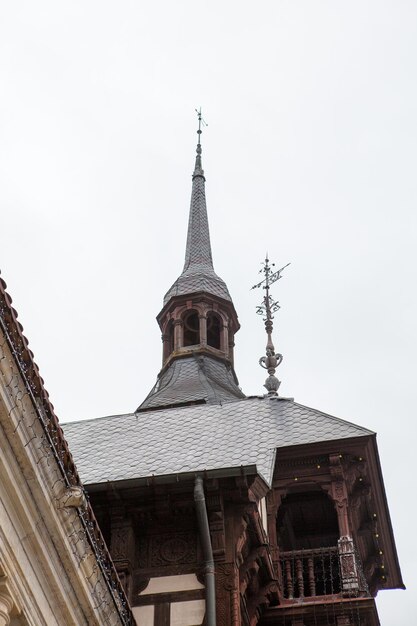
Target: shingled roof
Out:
[195,378]
[198,438]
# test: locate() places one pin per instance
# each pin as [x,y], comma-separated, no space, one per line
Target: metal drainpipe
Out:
[203,525]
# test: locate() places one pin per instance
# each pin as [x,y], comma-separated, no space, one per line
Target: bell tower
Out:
[198,320]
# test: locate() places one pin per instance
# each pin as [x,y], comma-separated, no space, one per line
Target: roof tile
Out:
[197,438]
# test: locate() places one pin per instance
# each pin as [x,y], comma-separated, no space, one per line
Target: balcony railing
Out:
[322,572]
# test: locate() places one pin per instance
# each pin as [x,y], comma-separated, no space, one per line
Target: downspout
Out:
[203,525]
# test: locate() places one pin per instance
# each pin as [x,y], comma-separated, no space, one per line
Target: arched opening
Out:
[307,520]
[213,330]
[308,532]
[191,329]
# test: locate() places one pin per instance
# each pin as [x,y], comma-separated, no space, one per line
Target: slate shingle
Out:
[197,438]
[194,378]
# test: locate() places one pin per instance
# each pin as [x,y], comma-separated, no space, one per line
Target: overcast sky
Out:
[310,153]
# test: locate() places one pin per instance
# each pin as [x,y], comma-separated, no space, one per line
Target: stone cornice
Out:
[36,441]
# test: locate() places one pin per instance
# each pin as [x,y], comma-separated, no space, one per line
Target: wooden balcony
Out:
[332,571]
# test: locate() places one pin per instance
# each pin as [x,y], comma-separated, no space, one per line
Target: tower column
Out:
[224,341]
[231,348]
[165,347]
[203,329]
[178,334]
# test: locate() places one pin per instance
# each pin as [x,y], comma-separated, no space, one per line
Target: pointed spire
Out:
[198,272]
[198,248]
[268,307]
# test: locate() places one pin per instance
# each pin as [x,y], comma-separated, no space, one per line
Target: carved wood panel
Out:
[166,549]
[227,595]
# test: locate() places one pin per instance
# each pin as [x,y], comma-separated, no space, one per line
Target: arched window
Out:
[213,330]
[191,329]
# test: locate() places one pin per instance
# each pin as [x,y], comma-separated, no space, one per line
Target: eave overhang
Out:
[242,471]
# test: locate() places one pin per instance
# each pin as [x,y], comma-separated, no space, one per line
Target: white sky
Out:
[310,153]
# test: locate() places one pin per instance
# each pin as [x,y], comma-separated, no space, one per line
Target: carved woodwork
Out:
[273,501]
[122,546]
[176,549]
[215,511]
[157,551]
[227,610]
[343,620]
[140,584]
[348,565]
[339,493]
[241,541]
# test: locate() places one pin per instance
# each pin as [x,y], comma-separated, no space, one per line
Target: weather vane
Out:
[201,122]
[268,307]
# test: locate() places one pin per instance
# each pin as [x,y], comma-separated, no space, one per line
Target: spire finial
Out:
[268,307]
[201,122]
[198,170]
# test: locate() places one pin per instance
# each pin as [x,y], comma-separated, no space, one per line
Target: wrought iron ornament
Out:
[198,170]
[201,122]
[268,307]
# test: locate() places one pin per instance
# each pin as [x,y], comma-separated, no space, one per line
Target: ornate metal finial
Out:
[201,122]
[268,307]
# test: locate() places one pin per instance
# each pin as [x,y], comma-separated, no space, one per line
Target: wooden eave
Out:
[394,578]
[283,614]
[242,471]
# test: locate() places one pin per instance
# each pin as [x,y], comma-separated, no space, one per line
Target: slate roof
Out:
[194,378]
[198,273]
[197,438]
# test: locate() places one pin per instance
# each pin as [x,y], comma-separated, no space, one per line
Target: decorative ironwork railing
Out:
[321,572]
